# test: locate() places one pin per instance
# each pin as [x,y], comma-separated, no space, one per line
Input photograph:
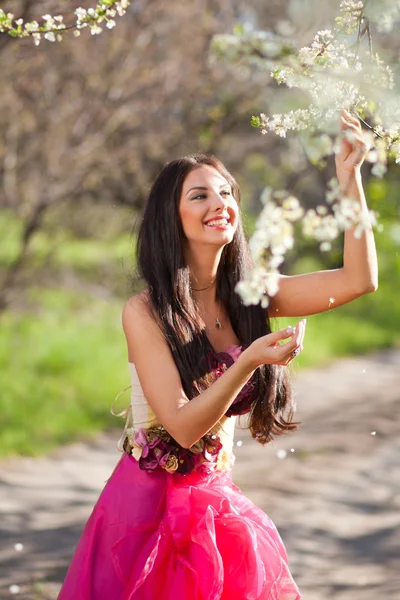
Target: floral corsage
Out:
[154,448]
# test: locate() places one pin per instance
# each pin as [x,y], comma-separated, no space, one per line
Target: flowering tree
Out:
[341,69]
[87,124]
[52,28]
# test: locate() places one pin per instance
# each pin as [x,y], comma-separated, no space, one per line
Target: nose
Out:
[220,201]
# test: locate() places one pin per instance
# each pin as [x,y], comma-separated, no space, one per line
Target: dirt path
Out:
[335,499]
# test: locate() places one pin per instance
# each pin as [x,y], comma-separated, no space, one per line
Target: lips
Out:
[218,222]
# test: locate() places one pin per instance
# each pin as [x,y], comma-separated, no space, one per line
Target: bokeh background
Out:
[85,126]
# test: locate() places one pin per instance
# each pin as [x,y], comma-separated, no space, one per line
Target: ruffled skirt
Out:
[161,536]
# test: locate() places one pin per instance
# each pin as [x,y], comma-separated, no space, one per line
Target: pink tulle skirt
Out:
[157,536]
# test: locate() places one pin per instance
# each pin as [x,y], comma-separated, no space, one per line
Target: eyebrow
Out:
[205,188]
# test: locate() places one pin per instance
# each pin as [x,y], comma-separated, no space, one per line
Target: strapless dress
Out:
[157,534]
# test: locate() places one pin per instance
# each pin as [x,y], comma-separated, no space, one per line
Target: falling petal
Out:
[291,449]
[373,432]
[239,443]
[281,454]
[364,371]
[14,589]
[18,547]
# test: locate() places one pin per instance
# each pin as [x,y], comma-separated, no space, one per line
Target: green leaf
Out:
[238,29]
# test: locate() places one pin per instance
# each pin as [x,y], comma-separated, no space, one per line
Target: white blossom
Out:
[33,26]
[81,13]
[379,169]
[50,36]
[95,29]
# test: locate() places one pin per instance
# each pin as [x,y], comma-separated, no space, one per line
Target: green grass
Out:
[59,372]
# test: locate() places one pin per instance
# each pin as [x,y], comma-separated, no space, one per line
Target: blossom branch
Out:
[53,27]
[335,74]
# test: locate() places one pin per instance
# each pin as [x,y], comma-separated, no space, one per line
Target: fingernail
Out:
[290,329]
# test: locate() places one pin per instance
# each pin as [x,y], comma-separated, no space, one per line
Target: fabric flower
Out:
[172,464]
[198,447]
[153,451]
[186,461]
[212,447]
[140,438]
[154,448]
[234,351]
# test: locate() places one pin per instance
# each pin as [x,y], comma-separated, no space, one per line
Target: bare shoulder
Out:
[149,351]
[139,324]
[137,304]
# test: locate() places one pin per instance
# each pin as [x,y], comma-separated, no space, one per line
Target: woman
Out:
[170,524]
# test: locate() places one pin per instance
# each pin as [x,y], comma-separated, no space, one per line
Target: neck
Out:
[203,268]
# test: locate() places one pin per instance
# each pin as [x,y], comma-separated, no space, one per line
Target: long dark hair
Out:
[161,263]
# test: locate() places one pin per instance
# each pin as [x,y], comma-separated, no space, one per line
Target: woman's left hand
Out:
[352,151]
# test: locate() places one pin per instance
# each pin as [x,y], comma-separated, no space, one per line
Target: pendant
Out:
[218,323]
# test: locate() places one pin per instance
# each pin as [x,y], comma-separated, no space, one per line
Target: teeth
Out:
[217,222]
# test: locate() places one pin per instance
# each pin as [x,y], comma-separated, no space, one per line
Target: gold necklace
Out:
[201,289]
[218,323]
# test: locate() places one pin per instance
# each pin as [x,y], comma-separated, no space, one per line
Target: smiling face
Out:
[209,212]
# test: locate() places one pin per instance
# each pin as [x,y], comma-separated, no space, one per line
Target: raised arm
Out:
[312,293]
[188,421]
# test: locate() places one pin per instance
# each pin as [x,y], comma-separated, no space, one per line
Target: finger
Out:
[303,331]
[346,124]
[282,334]
[284,351]
[297,341]
[351,117]
[287,359]
[299,334]
[303,334]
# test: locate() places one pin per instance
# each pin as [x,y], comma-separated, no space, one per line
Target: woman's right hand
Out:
[267,351]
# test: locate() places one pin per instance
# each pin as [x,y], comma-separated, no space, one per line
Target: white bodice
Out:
[143,415]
